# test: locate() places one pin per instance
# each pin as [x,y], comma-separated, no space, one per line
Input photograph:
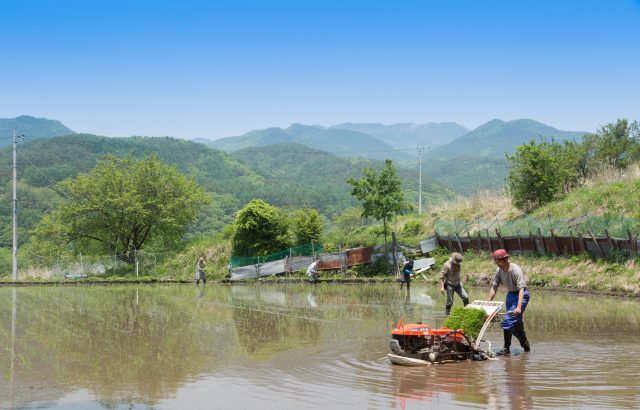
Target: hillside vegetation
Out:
[610,192]
[290,176]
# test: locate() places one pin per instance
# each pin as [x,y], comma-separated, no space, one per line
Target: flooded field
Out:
[298,346]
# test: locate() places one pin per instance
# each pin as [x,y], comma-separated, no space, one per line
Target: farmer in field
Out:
[200,272]
[450,281]
[312,272]
[407,273]
[512,277]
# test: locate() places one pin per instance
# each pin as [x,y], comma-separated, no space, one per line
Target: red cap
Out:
[500,254]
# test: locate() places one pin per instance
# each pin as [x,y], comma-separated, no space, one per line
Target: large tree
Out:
[260,229]
[381,195]
[122,204]
[542,172]
[306,226]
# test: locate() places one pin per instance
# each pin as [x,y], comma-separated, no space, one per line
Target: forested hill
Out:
[285,175]
[496,137]
[31,128]
[310,177]
[43,163]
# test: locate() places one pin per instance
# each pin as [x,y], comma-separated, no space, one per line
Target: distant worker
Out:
[512,277]
[407,273]
[312,272]
[200,272]
[450,281]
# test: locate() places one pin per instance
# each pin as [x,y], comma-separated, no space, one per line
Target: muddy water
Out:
[297,346]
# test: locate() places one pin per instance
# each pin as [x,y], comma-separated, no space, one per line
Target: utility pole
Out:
[15,205]
[420,151]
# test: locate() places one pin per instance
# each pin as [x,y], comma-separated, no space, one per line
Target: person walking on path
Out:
[200,272]
[312,272]
[512,277]
[450,281]
[407,273]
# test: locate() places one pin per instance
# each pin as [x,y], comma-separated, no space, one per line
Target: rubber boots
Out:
[522,336]
[507,343]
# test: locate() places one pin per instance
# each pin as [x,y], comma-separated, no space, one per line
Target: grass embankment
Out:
[611,193]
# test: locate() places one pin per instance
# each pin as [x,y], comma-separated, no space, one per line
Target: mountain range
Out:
[367,140]
[399,141]
[337,141]
[467,160]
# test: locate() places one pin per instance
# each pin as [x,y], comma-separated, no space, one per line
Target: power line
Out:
[50,184]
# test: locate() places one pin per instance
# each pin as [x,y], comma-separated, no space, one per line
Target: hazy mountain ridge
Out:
[340,142]
[410,135]
[497,137]
[31,127]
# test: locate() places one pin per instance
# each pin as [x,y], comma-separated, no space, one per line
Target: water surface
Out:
[298,346]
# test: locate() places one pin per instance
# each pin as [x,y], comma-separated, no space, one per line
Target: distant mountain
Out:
[31,127]
[337,141]
[496,137]
[410,135]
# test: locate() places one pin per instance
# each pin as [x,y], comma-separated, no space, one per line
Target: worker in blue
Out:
[407,273]
[512,277]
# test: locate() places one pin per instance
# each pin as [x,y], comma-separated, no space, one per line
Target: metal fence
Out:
[289,264]
[567,245]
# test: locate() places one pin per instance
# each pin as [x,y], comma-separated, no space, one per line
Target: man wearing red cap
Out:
[512,277]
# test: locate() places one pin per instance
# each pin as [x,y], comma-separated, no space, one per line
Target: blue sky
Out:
[215,69]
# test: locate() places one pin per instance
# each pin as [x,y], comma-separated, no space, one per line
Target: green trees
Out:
[615,144]
[540,172]
[306,226]
[122,204]
[381,194]
[543,172]
[260,229]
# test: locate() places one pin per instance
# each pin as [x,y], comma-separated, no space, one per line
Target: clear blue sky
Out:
[215,69]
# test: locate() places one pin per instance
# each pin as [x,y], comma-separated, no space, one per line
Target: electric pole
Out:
[420,150]
[15,205]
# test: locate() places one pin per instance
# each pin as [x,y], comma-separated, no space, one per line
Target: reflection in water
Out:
[13,347]
[326,346]
[517,387]
[311,299]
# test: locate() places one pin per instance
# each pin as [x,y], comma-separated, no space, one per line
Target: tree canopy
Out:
[540,173]
[306,226]
[381,194]
[122,204]
[260,229]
